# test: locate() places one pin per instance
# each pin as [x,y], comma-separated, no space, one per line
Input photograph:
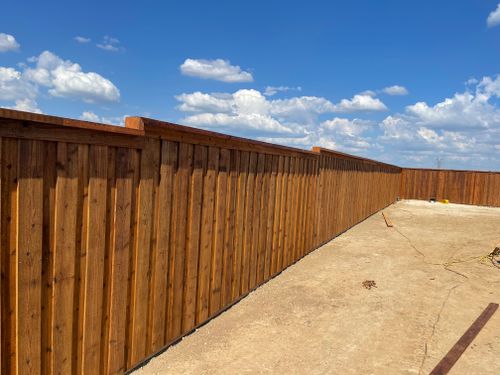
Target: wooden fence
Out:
[116,241]
[467,187]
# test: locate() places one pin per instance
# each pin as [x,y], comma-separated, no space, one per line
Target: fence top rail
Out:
[343,155]
[450,170]
[181,133]
[11,114]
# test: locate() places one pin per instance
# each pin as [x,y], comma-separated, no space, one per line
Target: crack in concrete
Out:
[438,318]
[445,265]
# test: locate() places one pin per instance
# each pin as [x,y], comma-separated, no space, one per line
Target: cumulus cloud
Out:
[82,39]
[219,70]
[26,105]
[273,90]
[110,44]
[246,111]
[463,129]
[64,78]
[494,17]
[13,86]
[8,43]
[292,121]
[110,120]
[395,90]
[360,103]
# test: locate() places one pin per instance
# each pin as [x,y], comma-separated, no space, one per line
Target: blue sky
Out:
[402,82]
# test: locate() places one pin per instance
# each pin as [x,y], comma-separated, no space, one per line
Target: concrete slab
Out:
[432,282]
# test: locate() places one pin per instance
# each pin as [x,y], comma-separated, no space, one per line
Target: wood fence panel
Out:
[115,242]
[466,187]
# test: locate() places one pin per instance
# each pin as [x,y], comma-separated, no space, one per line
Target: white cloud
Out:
[201,102]
[109,43]
[245,123]
[8,43]
[26,105]
[273,90]
[112,120]
[347,127]
[359,103]
[64,78]
[463,130]
[293,121]
[82,39]
[219,70]
[468,110]
[303,109]
[395,90]
[245,111]
[13,86]
[90,116]
[494,17]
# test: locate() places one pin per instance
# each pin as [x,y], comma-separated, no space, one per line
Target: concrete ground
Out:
[317,318]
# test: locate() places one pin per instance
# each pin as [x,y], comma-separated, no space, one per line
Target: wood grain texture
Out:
[28,287]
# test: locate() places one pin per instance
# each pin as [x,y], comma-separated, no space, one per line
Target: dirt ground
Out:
[317,318]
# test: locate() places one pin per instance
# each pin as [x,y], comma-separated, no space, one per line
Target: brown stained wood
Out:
[110,225]
[206,236]
[282,214]
[161,246]
[165,130]
[257,197]
[276,219]
[193,238]
[248,233]
[149,170]
[294,228]
[387,219]
[134,219]
[179,228]
[119,262]
[240,225]
[165,237]
[288,230]
[95,251]
[81,208]
[218,232]
[29,257]
[271,199]
[263,225]
[449,360]
[299,231]
[57,133]
[64,257]
[229,235]
[466,187]
[8,253]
